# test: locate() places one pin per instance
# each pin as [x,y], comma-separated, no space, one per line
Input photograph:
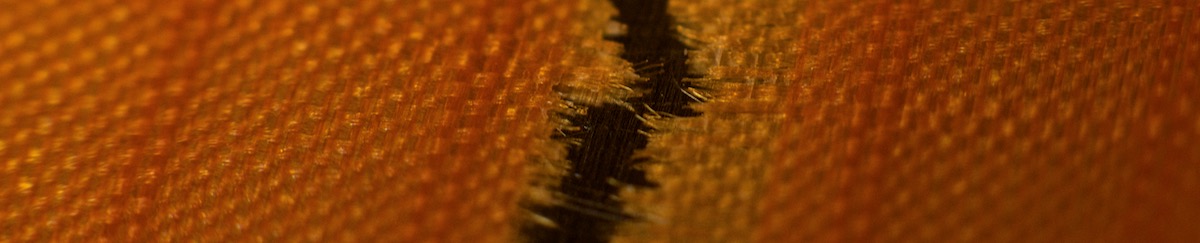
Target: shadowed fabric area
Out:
[432,121]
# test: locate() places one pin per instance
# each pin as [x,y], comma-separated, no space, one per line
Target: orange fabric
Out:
[429,121]
[1031,121]
[271,120]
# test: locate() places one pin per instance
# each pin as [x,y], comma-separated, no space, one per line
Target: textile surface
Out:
[270,120]
[432,121]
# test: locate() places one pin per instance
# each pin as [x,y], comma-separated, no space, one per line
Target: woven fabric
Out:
[711,167]
[216,121]
[431,121]
[998,121]
[934,121]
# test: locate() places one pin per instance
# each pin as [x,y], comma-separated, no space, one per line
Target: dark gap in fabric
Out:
[603,139]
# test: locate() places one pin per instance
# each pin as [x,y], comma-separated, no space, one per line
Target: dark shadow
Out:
[601,150]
